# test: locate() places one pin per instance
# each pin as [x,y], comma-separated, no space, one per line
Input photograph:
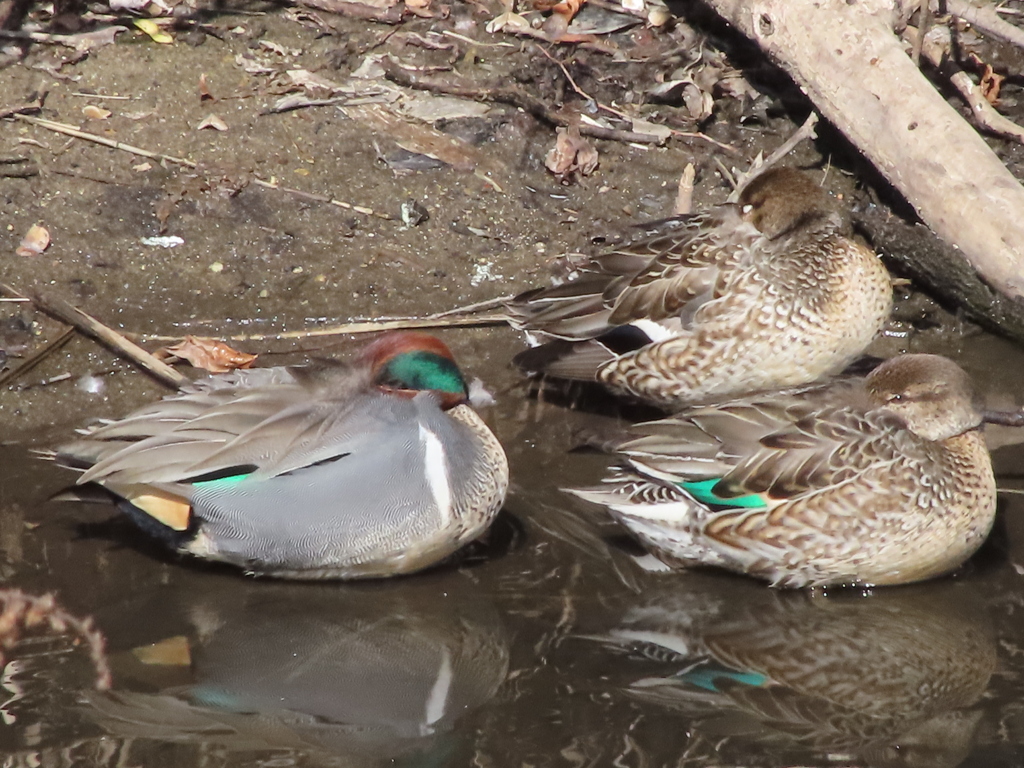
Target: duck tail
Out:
[581,360]
[578,361]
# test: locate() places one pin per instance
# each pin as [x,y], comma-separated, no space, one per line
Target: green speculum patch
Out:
[704,492]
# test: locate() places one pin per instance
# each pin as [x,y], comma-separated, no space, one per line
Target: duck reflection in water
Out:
[374,672]
[887,679]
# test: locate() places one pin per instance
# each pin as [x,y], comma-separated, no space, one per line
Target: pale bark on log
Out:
[846,58]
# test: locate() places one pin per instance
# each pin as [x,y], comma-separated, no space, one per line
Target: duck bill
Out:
[1004,418]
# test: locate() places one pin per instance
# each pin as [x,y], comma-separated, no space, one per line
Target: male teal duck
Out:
[368,468]
[761,294]
[883,480]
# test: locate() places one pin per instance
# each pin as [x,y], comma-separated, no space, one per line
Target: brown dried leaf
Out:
[571,155]
[212,121]
[990,85]
[209,354]
[35,242]
[989,81]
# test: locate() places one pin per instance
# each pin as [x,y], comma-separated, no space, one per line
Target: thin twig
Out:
[101,96]
[368,326]
[471,41]
[70,130]
[471,308]
[90,326]
[513,97]
[924,19]
[618,113]
[575,86]
[37,357]
[323,199]
[34,106]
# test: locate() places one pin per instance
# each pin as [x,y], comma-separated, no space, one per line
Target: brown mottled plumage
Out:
[885,480]
[798,677]
[761,294]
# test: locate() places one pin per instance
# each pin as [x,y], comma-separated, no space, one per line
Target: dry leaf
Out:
[417,3]
[663,132]
[990,85]
[95,113]
[212,121]
[152,29]
[209,354]
[989,81]
[35,242]
[567,8]
[571,155]
[508,21]
[204,91]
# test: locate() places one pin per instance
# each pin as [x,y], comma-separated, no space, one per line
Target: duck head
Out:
[931,393]
[406,362]
[781,201]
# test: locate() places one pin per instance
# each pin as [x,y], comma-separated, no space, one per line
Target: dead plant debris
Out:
[209,354]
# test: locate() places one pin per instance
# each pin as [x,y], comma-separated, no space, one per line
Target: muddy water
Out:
[544,645]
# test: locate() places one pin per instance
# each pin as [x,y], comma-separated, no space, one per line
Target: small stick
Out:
[684,196]
[322,199]
[575,86]
[35,106]
[70,130]
[89,325]
[489,304]
[37,357]
[471,41]
[513,97]
[101,96]
[368,326]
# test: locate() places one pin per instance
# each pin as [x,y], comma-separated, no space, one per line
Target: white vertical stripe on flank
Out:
[436,466]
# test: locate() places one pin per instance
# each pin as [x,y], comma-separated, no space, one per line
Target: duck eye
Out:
[896,398]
